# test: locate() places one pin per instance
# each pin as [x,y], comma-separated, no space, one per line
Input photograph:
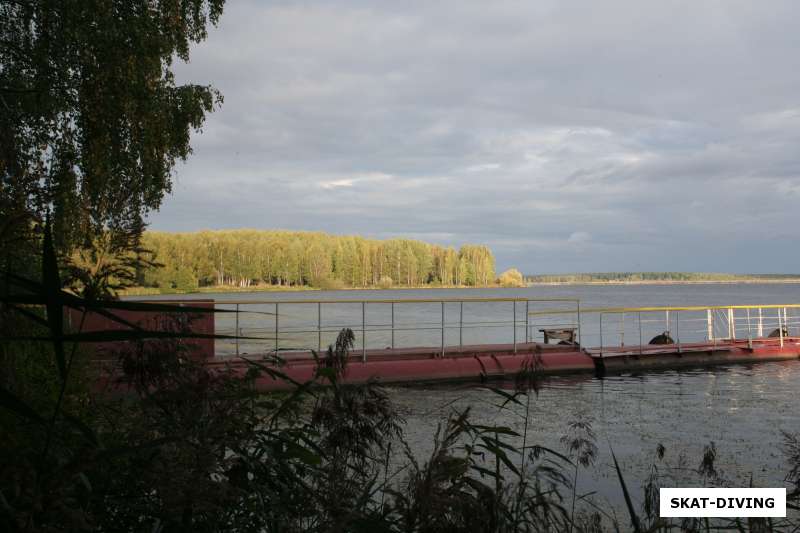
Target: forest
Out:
[246,258]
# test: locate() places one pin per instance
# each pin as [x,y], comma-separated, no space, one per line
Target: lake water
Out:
[743,409]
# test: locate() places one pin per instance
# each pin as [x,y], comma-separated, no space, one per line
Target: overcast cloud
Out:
[568,136]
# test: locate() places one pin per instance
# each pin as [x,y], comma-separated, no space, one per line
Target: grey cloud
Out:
[567,136]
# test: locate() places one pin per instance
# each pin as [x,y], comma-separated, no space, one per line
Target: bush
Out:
[184,280]
[511,278]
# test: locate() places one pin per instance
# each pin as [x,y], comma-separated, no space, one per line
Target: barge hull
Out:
[492,362]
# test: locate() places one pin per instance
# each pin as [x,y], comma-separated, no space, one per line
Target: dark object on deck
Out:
[777,332]
[565,335]
[664,338]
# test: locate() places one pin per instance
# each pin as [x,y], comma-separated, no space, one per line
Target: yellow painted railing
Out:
[396,300]
[755,319]
[666,308]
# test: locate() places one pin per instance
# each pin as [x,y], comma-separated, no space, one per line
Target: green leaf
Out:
[85,430]
[31,316]
[626,494]
[500,454]
[51,283]
[119,451]
[484,471]
[551,452]
[23,282]
[303,454]
[327,373]
[15,404]
[502,430]
[508,396]
[23,299]
[274,373]
[85,481]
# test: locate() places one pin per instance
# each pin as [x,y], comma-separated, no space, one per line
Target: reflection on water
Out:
[742,409]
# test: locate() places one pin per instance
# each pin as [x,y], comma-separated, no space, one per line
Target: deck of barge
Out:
[286,334]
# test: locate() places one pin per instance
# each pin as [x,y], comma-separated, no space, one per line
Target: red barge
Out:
[266,331]
[479,363]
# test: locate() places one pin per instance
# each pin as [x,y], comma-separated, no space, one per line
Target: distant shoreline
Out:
[150,291]
[671,282]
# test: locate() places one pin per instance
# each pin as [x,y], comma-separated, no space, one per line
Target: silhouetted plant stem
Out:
[61,392]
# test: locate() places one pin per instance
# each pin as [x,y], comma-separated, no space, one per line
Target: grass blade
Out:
[13,403]
[628,502]
[51,283]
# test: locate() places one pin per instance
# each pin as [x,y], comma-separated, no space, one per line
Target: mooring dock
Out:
[419,340]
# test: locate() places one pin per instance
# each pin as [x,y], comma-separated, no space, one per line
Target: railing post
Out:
[578,306]
[601,334]
[714,326]
[678,329]
[749,332]
[237,330]
[527,321]
[622,330]
[276,328]
[786,322]
[514,311]
[731,325]
[639,313]
[442,328]
[461,326]
[364,332]
[319,326]
[760,323]
[780,327]
[710,324]
[392,325]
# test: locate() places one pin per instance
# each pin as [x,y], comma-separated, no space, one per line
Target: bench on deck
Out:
[565,335]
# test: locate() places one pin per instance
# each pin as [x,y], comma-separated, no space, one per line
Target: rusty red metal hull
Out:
[199,323]
[503,362]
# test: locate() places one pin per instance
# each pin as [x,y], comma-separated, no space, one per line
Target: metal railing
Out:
[302,325]
[717,324]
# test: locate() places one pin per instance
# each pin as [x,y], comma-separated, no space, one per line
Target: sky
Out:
[567,136]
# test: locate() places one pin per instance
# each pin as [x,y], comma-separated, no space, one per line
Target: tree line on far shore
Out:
[622,277]
[245,258]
